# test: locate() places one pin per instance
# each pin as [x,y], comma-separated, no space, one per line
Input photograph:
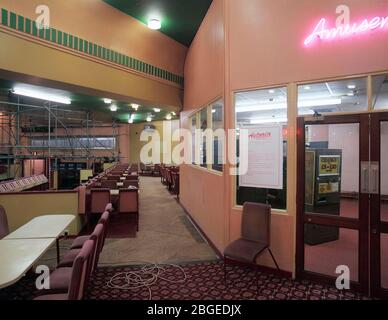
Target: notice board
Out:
[265,157]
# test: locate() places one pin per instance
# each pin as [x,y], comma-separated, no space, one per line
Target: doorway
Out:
[342,206]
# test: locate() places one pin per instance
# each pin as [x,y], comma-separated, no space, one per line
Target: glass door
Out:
[379,205]
[333,201]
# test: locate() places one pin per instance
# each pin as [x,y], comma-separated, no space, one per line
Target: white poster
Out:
[265,157]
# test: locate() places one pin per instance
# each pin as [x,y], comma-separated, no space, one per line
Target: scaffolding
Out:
[54,131]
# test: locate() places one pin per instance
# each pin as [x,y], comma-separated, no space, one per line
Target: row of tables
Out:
[21,249]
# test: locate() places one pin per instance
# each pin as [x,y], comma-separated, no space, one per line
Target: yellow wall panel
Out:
[23,207]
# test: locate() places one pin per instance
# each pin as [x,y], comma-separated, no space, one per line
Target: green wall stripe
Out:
[47,32]
[4,17]
[26,25]
[21,23]
[41,32]
[12,19]
[60,37]
[28,28]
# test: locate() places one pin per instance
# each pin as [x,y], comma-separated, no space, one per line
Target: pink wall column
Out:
[202,192]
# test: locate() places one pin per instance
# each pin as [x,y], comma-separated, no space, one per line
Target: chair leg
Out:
[273,258]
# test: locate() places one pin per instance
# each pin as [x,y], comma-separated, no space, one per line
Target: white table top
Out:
[18,256]
[50,226]
[114,192]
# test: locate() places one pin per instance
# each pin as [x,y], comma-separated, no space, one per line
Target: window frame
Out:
[197,114]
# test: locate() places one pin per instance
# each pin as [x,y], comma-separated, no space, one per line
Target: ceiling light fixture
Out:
[307,88]
[149,119]
[157,110]
[113,108]
[350,94]
[130,120]
[41,95]
[154,23]
[107,101]
[271,91]
[169,117]
[135,106]
[351,86]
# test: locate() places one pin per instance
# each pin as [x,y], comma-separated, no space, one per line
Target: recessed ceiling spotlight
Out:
[157,110]
[351,86]
[135,106]
[307,88]
[107,101]
[154,23]
[113,108]
[271,91]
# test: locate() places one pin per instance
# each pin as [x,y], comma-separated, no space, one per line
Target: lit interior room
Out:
[193,150]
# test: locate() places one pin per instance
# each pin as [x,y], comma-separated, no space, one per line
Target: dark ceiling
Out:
[180,18]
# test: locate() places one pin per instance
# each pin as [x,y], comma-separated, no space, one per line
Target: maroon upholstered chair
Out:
[97,236]
[79,275]
[255,236]
[128,183]
[168,178]
[132,178]
[175,182]
[99,198]
[129,203]
[109,208]
[114,178]
[109,184]
[79,241]
[4,229]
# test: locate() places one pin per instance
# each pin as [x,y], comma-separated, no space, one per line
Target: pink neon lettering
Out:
[322,32]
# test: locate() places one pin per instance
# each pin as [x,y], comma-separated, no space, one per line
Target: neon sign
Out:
[323,32]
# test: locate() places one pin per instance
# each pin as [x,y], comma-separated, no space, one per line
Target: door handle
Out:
[375,179]
[365,177]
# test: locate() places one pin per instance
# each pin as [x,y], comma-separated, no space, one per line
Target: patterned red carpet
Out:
[203,281]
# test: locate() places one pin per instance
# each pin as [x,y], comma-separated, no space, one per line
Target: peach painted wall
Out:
[205,61]
[96,21]
[266,42]
[202,193]
[263,46]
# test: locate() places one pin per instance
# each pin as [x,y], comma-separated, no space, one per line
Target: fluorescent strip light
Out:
[280,106]
[41,95]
